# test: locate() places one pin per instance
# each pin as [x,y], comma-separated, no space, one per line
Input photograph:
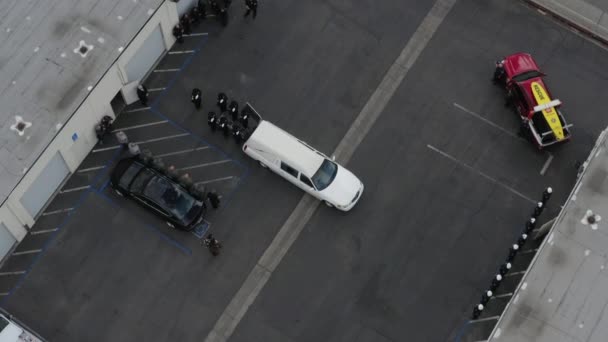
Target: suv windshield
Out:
[170,197]
[325,174]
[527,75]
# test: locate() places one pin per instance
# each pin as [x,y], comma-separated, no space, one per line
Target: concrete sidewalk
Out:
[588,16]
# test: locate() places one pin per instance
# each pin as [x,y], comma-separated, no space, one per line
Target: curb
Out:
[568,22]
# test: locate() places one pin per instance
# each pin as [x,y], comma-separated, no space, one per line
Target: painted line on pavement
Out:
[528,251]
[546,166]
[12,273]
[514,273]
[140,126]
[182,151]
[142,142]
[290,230]
[493,318]
[198,34]
[136,110]
[205,164]
[33,251]
[57,211]
[4,293]
[44,231]
[488,122]
[166,70]
[80,188]
[94,168]
[180,52]
[215,180]
[491,179]
[156,89]
[503,295]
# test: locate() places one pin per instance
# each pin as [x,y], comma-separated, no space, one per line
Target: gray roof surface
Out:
[42,79]
[564,294]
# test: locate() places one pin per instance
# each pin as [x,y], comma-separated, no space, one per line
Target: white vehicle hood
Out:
[343,188]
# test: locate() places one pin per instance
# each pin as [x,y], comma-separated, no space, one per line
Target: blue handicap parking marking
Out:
[201,229]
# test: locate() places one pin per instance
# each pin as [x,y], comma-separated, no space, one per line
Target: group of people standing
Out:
[218,8]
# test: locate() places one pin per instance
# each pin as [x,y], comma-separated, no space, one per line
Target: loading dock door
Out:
[143,60]
[184,6]
[41,189]
[7,240]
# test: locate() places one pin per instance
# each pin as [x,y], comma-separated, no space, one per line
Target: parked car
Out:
[541,116]
[162,195]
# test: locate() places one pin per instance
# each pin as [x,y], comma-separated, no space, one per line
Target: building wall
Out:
[12,213]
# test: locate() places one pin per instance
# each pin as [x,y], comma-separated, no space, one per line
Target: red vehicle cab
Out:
[540,113]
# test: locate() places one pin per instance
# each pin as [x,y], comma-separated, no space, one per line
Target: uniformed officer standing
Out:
[142,94]
[186,21]
[212,120]
[178,33]
[222,102]
[233,108]
[196,98]
[252,7]
[244,119]
[223,14]
[213,244]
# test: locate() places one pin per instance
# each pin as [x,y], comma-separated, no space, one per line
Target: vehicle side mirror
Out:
[333,158]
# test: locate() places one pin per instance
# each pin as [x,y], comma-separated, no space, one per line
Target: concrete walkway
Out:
[588,16]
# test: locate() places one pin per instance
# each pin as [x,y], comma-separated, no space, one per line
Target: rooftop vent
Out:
[83,49]
[20,125]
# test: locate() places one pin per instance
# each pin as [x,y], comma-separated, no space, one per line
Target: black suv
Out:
[154,190]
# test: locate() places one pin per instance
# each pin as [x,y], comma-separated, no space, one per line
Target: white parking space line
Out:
[180,52]
[546,166]
[157,89]
[166,70]
[3,293]
[511,274]
[57,211]
[529,251]
[215,180]
[198,34]
[205,164]
[142,142]
[44,231]
[80,188]
[503,295]
[136,110]
[94,168]
[140,126]
[11,273]
[295,223]
[481,118]
[466,166]
[493,318]
[33,251]
[182,151]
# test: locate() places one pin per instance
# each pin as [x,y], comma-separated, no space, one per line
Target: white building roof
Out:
[564,295]
[42,79]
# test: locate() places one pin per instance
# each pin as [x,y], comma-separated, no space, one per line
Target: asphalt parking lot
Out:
[449,183]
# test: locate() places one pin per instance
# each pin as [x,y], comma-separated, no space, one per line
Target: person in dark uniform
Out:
[223,123]
[186,23]
[214,199]
[196,98]
[195,14]
[233,108]
[213,244]
[252,7]
[223,15]
[178,33]
[142,94]
[212,120]
[237,131]
[222,102]
[244,118]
